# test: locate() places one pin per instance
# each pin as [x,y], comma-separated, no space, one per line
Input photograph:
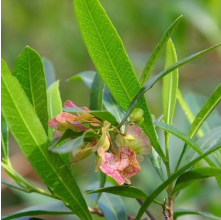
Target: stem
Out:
[149,214]
[23,183]
[168,210]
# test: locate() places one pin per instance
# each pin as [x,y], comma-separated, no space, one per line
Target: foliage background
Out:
[50,28]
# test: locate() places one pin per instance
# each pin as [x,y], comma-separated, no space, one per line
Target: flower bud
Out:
[137,115]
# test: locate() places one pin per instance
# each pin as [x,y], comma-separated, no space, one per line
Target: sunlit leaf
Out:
[30,73]
[170,84]
[111,60]
[33,141]
[150,83]
[54,104]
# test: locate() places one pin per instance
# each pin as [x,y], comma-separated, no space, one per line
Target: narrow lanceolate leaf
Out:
[49,71]
[127,191]
[111,60]
[208,107]
[4,138]
[187,111]
[56,208]
[150,83]
[87,77]
[30,73]
[54,104]
[185,138]
[193,176]
[174,176]
[33,141]
[178,213]
[170,84]
[158,51]
[96,95]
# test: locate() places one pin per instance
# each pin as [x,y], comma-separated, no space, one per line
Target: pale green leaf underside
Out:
[4,138]
[30,73]
[30,135]
[54,104]
[57,208]
[96,95]
[208,107]
[187,111]
[178,213]
[170,84]
[195,175]
[185,138]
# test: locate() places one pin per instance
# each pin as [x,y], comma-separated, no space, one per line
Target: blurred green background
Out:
[51,29]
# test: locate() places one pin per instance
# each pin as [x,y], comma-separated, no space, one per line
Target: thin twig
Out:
[149,214]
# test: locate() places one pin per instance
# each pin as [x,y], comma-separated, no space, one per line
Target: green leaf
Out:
[111,60]
[196,102]
[187,110]
[4,138]
[96,95]
[158,51]
[126,191]
[178,213]
[49,71]
[56,208]
[193,176]
[208,107]
[103,115]
[171,129]
[12,185]
[170,84]
[205,143]
[103,178]
[78,142]
[30,73]
[87,77]
[68,134]
[112,206]
[163,73]
[174,176]
[54,104]
[32,139]
[111,105]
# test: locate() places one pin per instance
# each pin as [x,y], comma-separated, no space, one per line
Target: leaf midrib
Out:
[63,183]
[110,60]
